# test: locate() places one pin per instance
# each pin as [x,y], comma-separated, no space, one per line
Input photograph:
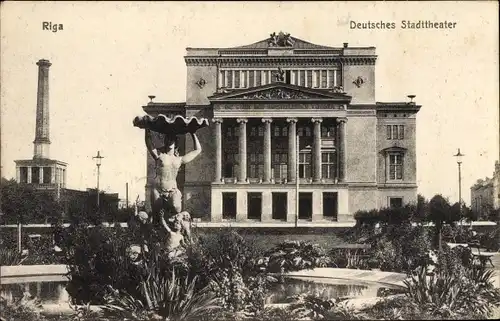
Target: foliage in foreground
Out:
[454,294]
[295,256]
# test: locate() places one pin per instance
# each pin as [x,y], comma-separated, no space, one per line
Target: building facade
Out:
[485,194]
[283,111]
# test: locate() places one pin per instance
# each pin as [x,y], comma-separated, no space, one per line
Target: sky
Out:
[110,56]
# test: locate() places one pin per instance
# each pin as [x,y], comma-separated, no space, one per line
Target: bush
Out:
[454,294]
[295,256]
[400,248]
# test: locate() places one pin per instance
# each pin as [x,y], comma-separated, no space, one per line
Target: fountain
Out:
[166,199]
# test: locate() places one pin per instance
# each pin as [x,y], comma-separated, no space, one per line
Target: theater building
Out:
[283,110]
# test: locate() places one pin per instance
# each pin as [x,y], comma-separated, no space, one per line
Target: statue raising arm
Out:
[194,153]
[149,144]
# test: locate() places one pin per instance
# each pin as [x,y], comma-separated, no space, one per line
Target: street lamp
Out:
[98,159]
[459,156]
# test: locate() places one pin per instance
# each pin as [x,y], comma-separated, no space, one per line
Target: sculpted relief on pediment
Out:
[277,93]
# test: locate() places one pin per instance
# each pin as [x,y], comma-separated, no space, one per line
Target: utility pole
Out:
[297,180]
[459,156]
[98,159]
[126,194]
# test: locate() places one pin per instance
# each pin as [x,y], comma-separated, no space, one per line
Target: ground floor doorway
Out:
[330,205]
[305,206]
[280,207]
[229,206]
[254,206]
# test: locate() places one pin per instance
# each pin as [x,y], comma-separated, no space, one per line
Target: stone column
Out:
[341,150]
[29,174]
[18,174]
[267,149]
[218,149]
[64,178]
[292,149]
[317,150]
[40,179]
[53,175]
[243,150]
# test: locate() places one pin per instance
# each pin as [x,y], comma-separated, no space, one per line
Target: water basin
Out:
[326,288]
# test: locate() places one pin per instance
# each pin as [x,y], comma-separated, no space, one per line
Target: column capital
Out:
[317,120]
[342,120]
[267,120]
[217,120]
[291,120]
[242,120]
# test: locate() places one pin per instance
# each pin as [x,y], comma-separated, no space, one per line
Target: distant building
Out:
[486,192]
[46,174]
[42,172]
[355,153]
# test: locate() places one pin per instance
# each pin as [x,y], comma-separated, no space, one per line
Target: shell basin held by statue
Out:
[176,125]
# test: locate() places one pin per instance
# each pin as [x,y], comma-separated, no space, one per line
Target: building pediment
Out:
[394,149]
[281,92]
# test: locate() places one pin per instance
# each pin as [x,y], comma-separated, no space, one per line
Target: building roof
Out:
[297,44]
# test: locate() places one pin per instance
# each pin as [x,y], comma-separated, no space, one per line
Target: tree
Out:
[23,204]
[441,212]
[420,213]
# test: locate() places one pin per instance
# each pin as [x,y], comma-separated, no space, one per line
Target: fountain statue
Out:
[166,199]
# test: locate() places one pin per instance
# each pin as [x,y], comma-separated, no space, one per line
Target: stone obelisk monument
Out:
[42,129]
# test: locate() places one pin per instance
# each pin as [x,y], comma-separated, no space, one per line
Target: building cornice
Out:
[261,60]
[39,161]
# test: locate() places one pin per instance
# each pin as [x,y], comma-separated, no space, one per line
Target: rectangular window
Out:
[300,131]
[308,131]
[317,78]
[244,79]
[395,166]
[339,77]
[255,162]
[253,131]
[277,130]
[331,76]
[280,161]
[302,77]
[285,131]
[237,78]
[261,131]
[305,165]
[395,132]
[229,79]
[328,164]
[323,79]
[309,78]
[396,202]
[251,78]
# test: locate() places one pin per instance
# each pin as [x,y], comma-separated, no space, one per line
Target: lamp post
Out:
[459,156]
[98,159]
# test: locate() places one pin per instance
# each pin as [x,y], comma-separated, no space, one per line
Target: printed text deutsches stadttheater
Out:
[403,24]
